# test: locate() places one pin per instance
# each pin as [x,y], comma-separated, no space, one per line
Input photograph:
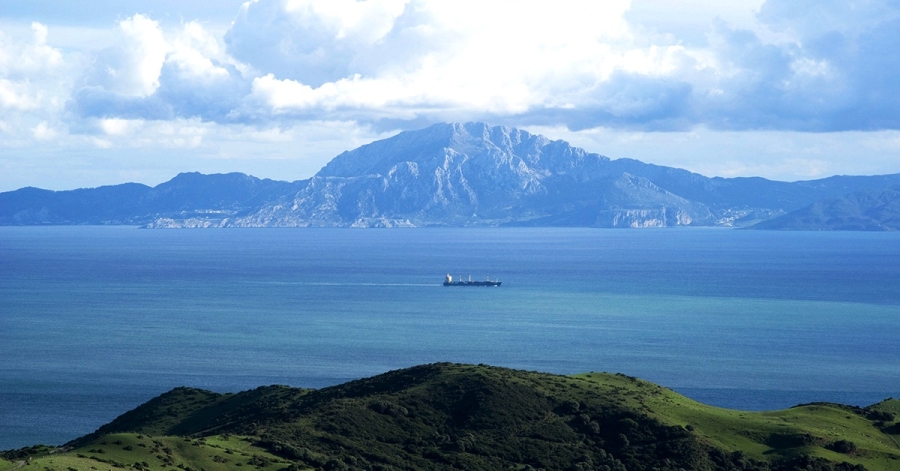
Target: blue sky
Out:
[103,92]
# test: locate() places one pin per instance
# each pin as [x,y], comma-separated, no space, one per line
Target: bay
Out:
[96,320]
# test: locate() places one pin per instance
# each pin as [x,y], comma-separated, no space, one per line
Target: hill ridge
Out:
[452,416]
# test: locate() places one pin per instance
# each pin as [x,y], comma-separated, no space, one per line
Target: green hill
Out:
[449,416]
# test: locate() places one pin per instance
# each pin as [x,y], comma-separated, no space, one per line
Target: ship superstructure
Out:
[459,281]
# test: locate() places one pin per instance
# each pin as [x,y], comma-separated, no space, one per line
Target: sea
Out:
[97,320]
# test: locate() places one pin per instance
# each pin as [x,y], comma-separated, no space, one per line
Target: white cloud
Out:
[160,75]
[378,97]
[364,22]
[500,58]
[131,67]
[319,41]
[146,50]
[584,64]
[34,83]
[43,132]
[38,55]
[120,127]
[688,21]
[17,95]
[192,54]
[26,67]
[24,59]
[714,72]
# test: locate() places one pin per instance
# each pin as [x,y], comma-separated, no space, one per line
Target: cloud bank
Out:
[809,66]
[814,66]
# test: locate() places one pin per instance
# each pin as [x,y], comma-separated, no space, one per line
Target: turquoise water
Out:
[96,320]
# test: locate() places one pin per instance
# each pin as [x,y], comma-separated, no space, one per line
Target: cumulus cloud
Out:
[150,74]
[578,63]
[309,74]
[320,41]
[43,132]
[833,68]
[815,65]
[25,68]
[35,80]
[131,68]
[199,79]
[435,58]
[17,95]
[22,59]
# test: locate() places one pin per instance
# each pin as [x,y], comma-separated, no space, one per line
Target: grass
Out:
[142,452]
[802,430]
[448,416]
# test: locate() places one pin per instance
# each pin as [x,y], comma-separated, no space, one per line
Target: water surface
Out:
[96,320]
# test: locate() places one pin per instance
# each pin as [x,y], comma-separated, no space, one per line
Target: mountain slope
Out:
[752,192]
[867,210]
[119,204]
[450,416]
[476,174]
[453,174]
[188,195]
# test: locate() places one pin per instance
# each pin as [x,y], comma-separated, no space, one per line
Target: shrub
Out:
[335,465]
[843,446]
[883,416]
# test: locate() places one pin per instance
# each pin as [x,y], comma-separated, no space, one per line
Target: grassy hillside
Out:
[448,416]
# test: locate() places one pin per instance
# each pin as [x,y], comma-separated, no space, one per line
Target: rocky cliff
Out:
[476,174]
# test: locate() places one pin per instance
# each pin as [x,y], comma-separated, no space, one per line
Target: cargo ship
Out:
[449,281]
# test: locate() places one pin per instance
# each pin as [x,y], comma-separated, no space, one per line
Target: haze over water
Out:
[96,320]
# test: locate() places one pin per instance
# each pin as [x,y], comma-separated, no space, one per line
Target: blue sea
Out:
[96,320]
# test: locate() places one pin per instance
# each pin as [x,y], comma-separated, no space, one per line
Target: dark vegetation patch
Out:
[843,446]
[793,440]
[448,416]
[26,452]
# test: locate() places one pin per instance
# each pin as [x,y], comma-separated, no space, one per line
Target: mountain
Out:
[188,196]
[474,174]
[470,174]
[450,416]
[104,205]
[866,210]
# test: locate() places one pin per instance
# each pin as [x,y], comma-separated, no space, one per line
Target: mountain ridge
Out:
[862,210]
[186,195]
[448,174]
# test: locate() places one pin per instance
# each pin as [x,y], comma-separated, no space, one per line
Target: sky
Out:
[112,91]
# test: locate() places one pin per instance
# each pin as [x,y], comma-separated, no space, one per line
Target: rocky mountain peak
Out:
[450,144]
[471,174]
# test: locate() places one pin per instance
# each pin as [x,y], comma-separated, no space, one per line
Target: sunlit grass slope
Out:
[138,451]
[449,416]
[839,433]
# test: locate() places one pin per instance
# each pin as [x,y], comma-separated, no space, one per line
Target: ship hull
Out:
[472,283]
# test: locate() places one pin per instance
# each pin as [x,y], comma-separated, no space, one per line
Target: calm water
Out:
[96,320]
